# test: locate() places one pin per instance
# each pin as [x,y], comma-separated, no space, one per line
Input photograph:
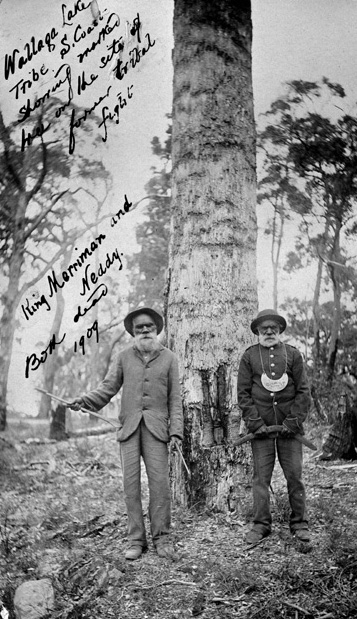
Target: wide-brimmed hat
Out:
[157,318]
[268,314]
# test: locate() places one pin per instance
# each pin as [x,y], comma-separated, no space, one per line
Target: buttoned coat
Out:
[258,405]
[151,391]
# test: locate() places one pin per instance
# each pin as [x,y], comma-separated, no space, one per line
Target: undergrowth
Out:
[65,519]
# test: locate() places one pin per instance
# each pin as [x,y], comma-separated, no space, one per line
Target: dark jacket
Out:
[151,391]
[258,405]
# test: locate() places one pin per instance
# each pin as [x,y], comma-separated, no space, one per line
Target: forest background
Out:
[304,267]
[102,202]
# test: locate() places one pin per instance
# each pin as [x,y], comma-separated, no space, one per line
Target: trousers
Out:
[142,444]
[289,453]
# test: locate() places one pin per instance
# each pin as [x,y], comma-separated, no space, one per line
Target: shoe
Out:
[254,537]
[165,551]
[303,535]
[134,552]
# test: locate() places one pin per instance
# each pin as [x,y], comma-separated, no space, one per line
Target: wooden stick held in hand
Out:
[84,410]
[183,461]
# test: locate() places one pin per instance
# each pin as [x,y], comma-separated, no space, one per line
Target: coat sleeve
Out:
[300,406]
[251,416]
[99,397]
[174,401]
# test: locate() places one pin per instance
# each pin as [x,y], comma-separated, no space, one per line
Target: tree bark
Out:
[58,423]
[51,365]
[276,243]
[10,300]
[212,291]
[316,348]
[336,319]
[341,441]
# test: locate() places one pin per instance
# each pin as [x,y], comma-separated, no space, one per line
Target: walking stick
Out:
[84,410]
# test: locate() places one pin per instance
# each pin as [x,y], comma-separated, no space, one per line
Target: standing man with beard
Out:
[273,390]
[150,417]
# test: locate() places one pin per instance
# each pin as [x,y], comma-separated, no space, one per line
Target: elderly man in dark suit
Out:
[150,418]
[273,390]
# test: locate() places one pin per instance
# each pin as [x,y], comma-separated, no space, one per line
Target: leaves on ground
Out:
[63,516]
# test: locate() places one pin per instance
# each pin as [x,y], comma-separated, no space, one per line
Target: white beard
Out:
[147,345]
[268,344]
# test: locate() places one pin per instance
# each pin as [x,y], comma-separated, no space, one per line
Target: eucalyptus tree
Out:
[38,190]
[319,148]
[211,291]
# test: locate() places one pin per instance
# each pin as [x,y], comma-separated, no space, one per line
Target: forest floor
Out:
[62,516]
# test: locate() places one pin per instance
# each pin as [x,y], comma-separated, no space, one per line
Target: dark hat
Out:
[268,314]
[157,318]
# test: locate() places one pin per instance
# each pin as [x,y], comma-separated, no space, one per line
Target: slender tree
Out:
[38,187]
[281,196]
[320,152]
[212,292]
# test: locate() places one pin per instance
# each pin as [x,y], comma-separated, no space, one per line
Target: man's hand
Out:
[290,427]
[76,404]
[262,432]
[286,433]
[175,442]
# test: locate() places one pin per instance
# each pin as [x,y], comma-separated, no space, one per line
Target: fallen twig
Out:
[261,541]
[339,467]
[74,468]
[6,441]
[165,582]
[229,601]
[295,607]
[35,463]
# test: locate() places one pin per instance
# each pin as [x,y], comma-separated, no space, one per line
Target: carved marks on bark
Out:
[214,406]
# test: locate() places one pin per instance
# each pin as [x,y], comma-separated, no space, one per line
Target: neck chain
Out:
[274,384]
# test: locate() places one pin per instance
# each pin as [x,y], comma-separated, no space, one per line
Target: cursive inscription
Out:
[30,309]
[80,91]
[77,122]
[80,345]
[33,362]
[69,14]
[97,294]
[15,61]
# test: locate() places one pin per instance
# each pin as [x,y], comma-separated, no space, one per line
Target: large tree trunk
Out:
[212,293]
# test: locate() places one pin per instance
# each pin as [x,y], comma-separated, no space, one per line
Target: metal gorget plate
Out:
[274,385]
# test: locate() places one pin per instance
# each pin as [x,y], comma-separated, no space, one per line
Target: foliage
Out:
[299,318]
[315,152]
[148,267]
[40,196]
[47,177]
